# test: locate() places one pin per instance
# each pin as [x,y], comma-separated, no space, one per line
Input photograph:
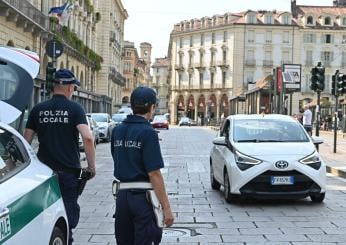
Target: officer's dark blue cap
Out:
[65,77]
[143,96]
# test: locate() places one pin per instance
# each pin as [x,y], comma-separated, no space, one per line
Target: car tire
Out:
[318,198]
[214,184]
[58,237]
[227,189]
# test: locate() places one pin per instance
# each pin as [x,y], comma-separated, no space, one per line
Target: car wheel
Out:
[318,198]
[227,189]
[214,184]
[57,237]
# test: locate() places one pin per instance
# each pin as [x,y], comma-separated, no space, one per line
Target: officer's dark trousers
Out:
[69,184]
[135,219]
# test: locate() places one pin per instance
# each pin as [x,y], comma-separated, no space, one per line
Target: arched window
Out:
[10,43]
[327,21]
[310,20]
[61,65]
[81,79]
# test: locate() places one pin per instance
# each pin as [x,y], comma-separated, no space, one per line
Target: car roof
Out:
[23,66]
[261,116]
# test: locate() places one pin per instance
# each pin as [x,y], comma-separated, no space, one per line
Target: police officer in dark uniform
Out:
[137,159]
[57,123]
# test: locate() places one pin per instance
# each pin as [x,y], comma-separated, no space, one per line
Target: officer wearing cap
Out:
[137,158]
[57,123]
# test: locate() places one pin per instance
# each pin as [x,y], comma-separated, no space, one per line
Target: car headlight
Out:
[313,160]
[244,162]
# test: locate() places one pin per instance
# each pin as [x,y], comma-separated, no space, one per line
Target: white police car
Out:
[31,207]
[267,156]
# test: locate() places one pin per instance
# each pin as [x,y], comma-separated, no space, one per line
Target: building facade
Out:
[215,59]
[161,83]
[110,40]
[25,24]
[130,70]
[144,64]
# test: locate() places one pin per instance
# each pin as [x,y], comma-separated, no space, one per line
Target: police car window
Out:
[13,156]
[8,81]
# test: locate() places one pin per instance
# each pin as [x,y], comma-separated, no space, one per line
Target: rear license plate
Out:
[282,180]
[5,227]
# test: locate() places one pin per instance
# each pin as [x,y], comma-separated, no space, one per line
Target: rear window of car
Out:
[99,117]
[13,156]
[268,130]
[9,82]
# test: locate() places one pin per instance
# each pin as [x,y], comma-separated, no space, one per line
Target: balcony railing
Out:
[27,10]
[222,63]
[115,76]
[267,63]
[200,65]
[250,62]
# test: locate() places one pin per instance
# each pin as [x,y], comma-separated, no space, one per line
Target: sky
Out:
[153,20]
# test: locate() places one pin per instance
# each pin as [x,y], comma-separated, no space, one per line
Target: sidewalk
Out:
[336,162]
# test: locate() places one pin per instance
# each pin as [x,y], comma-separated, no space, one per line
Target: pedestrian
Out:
[307,118]
[57,123]
[137,162]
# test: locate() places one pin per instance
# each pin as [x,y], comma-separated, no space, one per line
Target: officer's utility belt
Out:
[151,196]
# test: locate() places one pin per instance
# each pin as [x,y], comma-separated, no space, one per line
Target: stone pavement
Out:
[202,215]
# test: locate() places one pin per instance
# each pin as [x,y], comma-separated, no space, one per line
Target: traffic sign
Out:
[54,49]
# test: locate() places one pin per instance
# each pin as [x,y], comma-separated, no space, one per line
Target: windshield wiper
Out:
[259,140]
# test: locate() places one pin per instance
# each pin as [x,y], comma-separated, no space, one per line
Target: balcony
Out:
[179,68]
[223,64]
[250,62]
[267,63]
[25,15]
[115,76]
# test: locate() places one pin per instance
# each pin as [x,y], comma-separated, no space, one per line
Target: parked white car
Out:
[105,125]
[94,130]
[267,156]
[31,207]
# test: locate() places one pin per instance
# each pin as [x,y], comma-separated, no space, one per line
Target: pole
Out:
[318,115]
[270,106]
[275,91]
[291,97]
[335,123]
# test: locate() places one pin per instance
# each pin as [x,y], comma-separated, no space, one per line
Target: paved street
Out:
[202,216]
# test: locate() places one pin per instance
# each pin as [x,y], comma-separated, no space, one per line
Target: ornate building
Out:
[215,59]
[25,24]
[110,39]
[144,64]
[130,70]
[161,83]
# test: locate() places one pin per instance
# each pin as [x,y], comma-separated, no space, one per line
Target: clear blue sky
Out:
[152,20]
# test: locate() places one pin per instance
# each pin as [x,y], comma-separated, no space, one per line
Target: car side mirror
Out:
[317,140]
[220,141]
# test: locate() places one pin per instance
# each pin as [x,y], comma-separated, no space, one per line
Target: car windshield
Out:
[268,130]
[159,119]
[99,117]
[119,117]
[184,119]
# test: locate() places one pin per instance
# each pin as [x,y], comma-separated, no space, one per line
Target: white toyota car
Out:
[267,156]
[31,208]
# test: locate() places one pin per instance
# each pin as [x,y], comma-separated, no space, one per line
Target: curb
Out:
[336,172]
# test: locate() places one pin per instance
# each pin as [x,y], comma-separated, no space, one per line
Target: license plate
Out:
[5,227]
[282,180]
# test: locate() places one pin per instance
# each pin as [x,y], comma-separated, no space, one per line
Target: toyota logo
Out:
[281,164]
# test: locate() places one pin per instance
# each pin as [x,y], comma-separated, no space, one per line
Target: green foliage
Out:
[89,6]
[72,39]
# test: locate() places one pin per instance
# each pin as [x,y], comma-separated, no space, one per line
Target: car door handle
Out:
[4,212]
